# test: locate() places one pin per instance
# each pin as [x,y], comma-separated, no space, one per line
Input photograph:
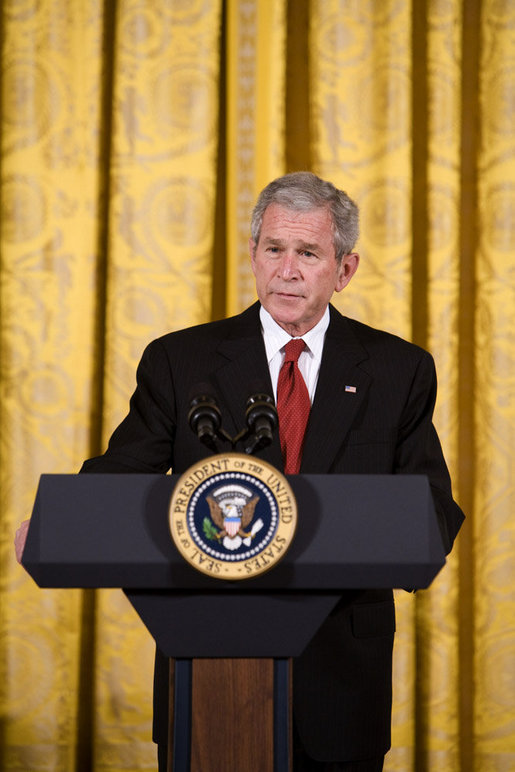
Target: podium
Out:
[230,643]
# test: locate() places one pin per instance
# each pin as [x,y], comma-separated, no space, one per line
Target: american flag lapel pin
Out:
[350,389]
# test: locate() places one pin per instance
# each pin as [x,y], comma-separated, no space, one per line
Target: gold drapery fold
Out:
[492,603]
[135,137]
[255,127]
[50,188]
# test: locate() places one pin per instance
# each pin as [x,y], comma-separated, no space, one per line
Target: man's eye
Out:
[307,253]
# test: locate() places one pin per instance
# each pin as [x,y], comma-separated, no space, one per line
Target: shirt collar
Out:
[276,338]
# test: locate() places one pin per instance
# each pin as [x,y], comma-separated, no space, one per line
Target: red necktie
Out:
[293,407]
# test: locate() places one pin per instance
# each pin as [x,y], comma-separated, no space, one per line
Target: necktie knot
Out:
[293,350]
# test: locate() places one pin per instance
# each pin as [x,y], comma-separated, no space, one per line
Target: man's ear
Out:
[348,267]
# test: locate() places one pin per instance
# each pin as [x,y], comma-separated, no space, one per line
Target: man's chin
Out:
[288,305]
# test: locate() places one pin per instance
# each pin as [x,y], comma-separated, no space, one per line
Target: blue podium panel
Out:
[354,531]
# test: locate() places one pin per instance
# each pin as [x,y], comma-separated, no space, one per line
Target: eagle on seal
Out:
[231,519]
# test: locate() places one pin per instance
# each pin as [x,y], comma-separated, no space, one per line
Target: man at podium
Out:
[350,400]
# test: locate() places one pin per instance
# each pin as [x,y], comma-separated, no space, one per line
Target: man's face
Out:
[295,266]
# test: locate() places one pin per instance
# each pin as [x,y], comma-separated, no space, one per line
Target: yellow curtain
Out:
[135,137]
[254,152]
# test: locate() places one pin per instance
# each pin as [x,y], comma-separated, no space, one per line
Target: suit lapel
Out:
[341,389]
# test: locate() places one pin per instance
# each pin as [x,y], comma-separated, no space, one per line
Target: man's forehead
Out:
[277,220]
[293,213]
[312,229]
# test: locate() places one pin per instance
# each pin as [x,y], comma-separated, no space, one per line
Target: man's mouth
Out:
[284,294]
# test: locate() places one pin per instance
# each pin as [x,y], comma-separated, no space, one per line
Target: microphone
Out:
[204,417]
[261,417]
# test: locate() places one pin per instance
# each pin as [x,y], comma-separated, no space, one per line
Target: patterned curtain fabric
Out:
[135,137]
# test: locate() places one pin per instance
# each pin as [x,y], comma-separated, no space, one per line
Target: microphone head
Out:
[204,414]
[261,406]
[262,419]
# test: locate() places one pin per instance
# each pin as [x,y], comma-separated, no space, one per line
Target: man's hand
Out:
[20,539]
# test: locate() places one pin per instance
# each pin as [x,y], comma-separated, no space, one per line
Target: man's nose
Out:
[289,266]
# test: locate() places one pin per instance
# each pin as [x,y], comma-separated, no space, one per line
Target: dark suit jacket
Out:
[342,681]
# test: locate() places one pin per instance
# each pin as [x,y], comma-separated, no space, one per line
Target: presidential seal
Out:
[232,516]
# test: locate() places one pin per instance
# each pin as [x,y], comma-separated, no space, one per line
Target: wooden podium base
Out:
[230,714]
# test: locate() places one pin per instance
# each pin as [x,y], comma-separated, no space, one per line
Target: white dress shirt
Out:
[276,338]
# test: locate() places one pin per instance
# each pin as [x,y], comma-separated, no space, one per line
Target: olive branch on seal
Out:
[210,532]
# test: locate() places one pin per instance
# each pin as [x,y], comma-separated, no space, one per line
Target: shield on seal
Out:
[232,508]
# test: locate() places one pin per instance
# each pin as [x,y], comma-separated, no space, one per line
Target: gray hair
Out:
[303,192]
